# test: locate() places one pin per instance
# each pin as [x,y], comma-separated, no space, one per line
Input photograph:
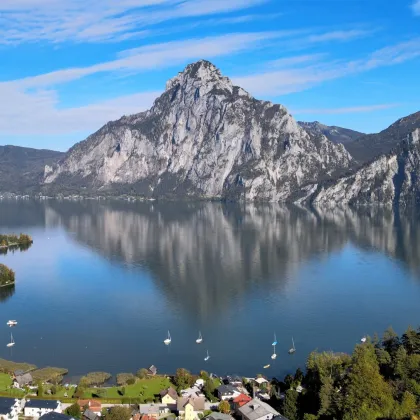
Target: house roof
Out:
[6,405]
[149,409]
[197,403]
[18,372]
[234,379]
[146,417]
[261,381]
[153,369]
[52,404]
[227,390]
[24,379]
[256,409]
[94,405]
[90,415]
[56,416]
[219,416]
[242,399]
[171,392]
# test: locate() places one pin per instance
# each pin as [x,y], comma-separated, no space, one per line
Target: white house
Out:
[36,408]
[10,408]
[227,392]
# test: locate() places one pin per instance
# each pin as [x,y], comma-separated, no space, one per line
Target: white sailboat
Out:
[207,357]
[200,338]
[293,349]
[363,339]
[168,340]
[12,342]
[266,366]
[12,322]
[274,355]
[275,340]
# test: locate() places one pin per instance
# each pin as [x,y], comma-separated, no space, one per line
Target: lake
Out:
[105,280]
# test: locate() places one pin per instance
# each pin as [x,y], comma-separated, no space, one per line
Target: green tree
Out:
[142,373]
[183,378]
[411,341]
[224,407]
[54,390]
[74,410]
[209,389]
[118,413]
[40,389]
[406,408]
[290,406]
[204,375]
[368,396]
[390,341]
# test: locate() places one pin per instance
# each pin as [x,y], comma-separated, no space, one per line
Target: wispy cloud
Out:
[292,61]
[284,81]
[340,35]
[416,7]
[99,20]
[33,106]
[345,110]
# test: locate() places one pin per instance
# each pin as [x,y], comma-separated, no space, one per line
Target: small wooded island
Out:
[23,240]
[7,276]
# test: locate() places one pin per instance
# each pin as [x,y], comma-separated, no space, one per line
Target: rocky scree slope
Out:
[333,133]
[202,138]
[391,179]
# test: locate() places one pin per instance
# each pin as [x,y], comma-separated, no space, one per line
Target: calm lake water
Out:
[104,281]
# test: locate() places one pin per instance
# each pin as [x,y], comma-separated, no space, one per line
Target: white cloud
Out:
[99,20]
[284,81]
[347,110]
[416,7]
[292,61]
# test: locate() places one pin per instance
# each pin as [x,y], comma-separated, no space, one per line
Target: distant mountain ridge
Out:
[332,133]
[22,168]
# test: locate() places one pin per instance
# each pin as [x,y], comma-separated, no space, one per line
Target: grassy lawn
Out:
[5,383]
[147,388]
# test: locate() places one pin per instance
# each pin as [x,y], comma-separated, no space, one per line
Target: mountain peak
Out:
[202,72]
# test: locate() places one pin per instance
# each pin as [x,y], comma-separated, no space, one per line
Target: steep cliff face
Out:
[203,137]
[333,133]
[391,179]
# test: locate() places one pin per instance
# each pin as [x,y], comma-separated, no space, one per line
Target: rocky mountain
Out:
[332,133]
[370,146]
[22,168]
[390,179]
[203,138]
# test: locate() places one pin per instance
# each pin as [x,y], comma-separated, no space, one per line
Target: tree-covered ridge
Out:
[380,380]
[7,276]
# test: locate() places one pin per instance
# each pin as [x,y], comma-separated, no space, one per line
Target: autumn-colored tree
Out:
[224,407]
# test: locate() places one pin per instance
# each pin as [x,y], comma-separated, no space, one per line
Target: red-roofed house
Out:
[241,400]
[93,405]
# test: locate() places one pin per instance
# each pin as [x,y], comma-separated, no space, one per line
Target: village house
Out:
[227,392]
[154,411]
[21,379]
[36,408]
[56,416]
[169,397]
[90,415]
[241,400]
[152,371]
[219,416]
[93,405]
[190,408]
[258,410]
[10,408]
[193,392]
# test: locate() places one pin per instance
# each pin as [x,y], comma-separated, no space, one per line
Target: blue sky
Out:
[69,66]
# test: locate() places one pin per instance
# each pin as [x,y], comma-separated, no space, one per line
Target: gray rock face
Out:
[333,133]
[391,179]
[205,138]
